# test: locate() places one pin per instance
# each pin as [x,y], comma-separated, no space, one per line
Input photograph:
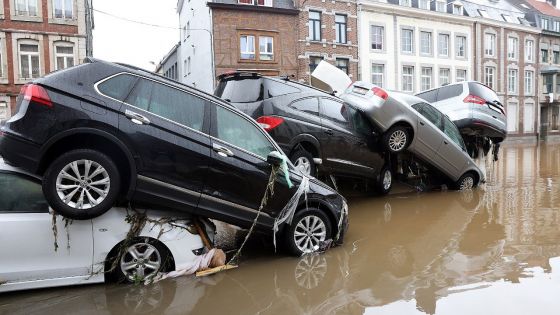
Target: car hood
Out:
[329,78]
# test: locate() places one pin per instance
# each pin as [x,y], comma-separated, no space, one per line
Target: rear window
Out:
[241,90]
[483,92]
[118,86]
[449,91]
[274,88]
[429,96]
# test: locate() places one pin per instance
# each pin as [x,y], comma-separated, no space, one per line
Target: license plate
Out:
[360,90]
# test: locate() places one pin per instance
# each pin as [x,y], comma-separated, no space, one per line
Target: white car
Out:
[86,249]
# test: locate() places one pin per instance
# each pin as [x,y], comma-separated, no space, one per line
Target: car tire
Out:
[64,190]
[152,257]
[303,160]
[384,181]
[298,242]
[467,181]
[396,139]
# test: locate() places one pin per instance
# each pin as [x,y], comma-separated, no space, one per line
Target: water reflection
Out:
[490,250]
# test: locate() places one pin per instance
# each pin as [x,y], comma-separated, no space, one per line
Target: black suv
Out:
[318,131]
[100,132]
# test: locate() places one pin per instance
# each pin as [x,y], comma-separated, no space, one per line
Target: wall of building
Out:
[327,47]
[549,120]
[195,49]
[44,30]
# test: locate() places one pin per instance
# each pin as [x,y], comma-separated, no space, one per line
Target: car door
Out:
[365,154]
[428,137]
[27,238]
[453,152]
[239,172]
[339,141]
[168,131]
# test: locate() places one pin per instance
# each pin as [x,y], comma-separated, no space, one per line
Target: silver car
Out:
[472,106]
[408,122]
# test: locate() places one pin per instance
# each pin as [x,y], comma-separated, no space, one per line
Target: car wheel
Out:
[310,227]
[81,184]
[384,181]
[396,139]
[303,161]
[141,260]
[467,181]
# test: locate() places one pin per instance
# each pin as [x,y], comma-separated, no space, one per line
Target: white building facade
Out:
[196,44]
[411,49]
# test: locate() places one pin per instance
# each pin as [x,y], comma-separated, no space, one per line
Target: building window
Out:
[267,3]
[408,79]
[461,46]
[544,23]
[556,26]
[544,55]
[512,81]
[377,74]
[407,38]
[26,7]
[342,64]
[483,13]
[188,30]
[64,56]
[424,4]
[460,75]
[457,9]
[426,43]
[547,83]
[247,47]
[377,34]
[556,57]
[529,82]
[426,78]
[512,48]
[314,25]
[489,44]
[63,9]
[340,25]
[1,61]
[406,3]
[443,44]
[189,65]
[489,75]
[444,76]
[266,48]
[314,62]
[29,61]
[441,6]
[529,50]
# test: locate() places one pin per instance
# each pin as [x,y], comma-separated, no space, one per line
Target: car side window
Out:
[274,88]
[429,96]
[239,132]
[165,101]
[118,86]
[307,105]
[335,111]
[431,114]
[361,124]
[21,195]
[449,91]
[450,129]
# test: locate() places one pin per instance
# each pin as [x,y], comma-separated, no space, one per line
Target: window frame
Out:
[409,76]
[443,46]
[426,80]
[341,29]
[411,40]
[65,56]
[247,52]
[489,40]
[529,50]
[429,43]
[512,80]
[463,79]
[63,17]
[29,55]
[448,76]
[461,52]
[315,26]
[377,36]
[512,48]
[347,60]
[529,83]
[490,75]
[271,53]
[26,12]
[313,66]
[382,73]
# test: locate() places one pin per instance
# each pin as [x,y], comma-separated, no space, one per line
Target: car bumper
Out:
[19,152]
[486,128]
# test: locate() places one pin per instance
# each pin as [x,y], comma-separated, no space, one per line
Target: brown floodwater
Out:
[493,250]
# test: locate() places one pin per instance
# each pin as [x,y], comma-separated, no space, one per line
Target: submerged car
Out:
[86,249]
[318,131]
[408,122]
[101,132]
[475,108]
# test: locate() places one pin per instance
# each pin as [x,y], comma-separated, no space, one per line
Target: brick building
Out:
[38,37]
[327,30]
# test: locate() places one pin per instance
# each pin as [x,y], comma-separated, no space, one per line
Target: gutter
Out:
[255,8]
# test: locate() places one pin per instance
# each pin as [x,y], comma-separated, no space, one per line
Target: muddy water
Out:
[494,250]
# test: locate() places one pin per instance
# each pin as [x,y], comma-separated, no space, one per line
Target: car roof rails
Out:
[239,74]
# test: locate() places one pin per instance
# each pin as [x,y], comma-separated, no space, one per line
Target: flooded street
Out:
[494,250]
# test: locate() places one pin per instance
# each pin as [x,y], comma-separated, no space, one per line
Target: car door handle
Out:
[136,118]
[222,151]
[422,123]
[445,142]
[329,132]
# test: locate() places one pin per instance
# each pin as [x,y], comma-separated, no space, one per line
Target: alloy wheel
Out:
[397,140]
[304,165]
[310,231]
[141,261]
[310,271]
[467,183]
[387,180]
[83,184]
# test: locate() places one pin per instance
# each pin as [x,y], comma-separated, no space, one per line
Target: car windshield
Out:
[483,92]
[450,129]
[241,90]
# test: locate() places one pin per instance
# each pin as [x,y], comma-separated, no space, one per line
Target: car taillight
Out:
[268,122]
[36,93]
[380,93]
[474,99]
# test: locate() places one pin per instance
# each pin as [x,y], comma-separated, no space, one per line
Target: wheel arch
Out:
[322,206]
[408,125]
[308,142]
[97,139]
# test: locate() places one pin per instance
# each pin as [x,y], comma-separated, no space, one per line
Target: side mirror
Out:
[274,159]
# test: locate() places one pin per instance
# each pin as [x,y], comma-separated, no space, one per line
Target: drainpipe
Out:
[358,29]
